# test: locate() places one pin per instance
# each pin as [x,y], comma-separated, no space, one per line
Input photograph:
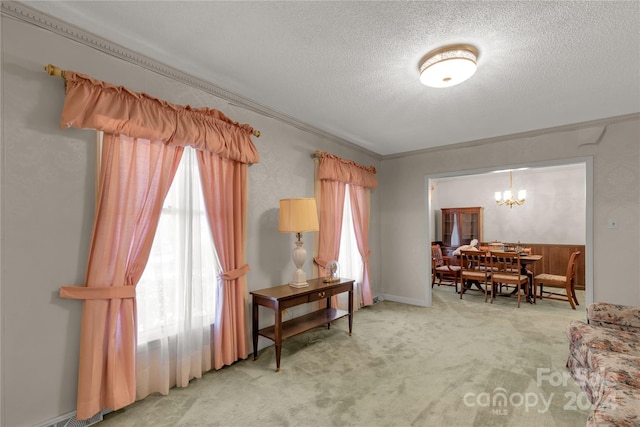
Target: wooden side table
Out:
[282,297]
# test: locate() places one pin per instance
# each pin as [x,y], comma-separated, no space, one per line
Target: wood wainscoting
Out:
[554,258]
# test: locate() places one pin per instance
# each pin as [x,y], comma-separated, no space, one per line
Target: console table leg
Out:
[255,329]
[328,307]
[277,332]
[278,351]
[350,311]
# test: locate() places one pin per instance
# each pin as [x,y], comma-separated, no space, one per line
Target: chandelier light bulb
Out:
[506,198]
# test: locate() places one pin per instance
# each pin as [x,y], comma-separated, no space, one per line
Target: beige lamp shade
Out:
[298,215]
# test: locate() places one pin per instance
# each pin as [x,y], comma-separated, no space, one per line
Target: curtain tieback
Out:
[322,263]
[103,292]
[234,274]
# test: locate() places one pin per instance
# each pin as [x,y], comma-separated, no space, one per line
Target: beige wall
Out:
[47,197]
[47,179]
[554,211]
[612,256]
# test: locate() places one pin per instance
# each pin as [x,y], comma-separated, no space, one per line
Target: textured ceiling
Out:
[351,68]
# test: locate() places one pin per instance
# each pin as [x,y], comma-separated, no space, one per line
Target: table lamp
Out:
[298,216]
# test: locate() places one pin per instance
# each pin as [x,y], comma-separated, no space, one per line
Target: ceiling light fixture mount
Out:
[448,65]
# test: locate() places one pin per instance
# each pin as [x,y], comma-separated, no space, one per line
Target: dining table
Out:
[527,260]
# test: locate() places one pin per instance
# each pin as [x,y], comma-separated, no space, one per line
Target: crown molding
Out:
[22,12]
[538,132]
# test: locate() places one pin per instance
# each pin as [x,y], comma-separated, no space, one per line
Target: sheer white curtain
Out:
[455,238]
[349,258]
[175,296]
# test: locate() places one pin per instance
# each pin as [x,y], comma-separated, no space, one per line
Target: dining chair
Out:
[568,282]
[475,269]
[443,266]
[506,270]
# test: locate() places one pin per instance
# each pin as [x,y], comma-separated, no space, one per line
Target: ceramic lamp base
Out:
[299,279]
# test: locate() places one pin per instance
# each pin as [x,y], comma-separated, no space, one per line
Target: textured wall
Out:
[48,199]
[48,179]
[48,196]
[612,256]
[554,210]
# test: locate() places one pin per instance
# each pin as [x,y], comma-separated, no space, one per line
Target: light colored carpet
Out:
[458,363]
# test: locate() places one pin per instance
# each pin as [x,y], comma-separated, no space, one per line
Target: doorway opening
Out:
[558,208]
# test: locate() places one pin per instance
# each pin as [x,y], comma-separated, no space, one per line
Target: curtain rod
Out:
[320,154]
[52,70]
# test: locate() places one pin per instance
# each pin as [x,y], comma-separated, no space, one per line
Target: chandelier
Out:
[506,198]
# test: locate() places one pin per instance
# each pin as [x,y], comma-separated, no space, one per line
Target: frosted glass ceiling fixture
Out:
[448,66]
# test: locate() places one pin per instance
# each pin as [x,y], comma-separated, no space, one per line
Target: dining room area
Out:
[518,233]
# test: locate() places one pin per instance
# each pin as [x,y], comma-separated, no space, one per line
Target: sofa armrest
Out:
[614,316]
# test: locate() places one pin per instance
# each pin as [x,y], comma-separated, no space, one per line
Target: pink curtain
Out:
[334,168]
[224,184]
[360,212]
[94,104]
[331,207]
[134,180]
[334,173]
[135,177]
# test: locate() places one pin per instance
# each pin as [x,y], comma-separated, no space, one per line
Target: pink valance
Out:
[93,104]
[333,168]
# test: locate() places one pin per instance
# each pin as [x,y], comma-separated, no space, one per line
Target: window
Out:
[349,257]
[176,293]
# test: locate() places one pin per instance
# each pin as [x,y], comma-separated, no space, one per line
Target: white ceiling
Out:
[351,68]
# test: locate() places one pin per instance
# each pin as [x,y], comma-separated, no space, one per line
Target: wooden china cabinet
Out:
[460,226]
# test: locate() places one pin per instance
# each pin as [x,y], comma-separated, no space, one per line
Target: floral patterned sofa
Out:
[604,359]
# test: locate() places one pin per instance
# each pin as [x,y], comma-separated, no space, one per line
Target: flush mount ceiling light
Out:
[448,65]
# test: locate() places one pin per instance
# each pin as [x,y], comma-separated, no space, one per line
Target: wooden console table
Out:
[282,297]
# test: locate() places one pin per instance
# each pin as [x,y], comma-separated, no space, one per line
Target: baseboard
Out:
[404,300]
[70,420]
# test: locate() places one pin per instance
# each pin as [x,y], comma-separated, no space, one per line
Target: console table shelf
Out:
[282,297]
[304,323]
